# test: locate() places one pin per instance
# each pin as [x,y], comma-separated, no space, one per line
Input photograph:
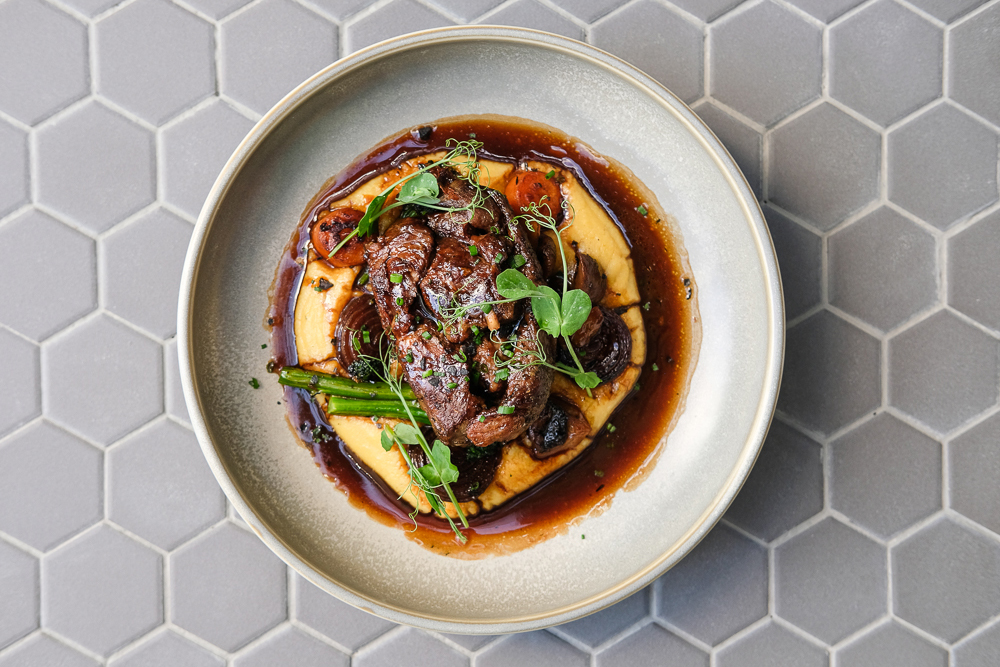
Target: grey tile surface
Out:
[766,62]
[540,647]
[891,645]
[772,646]
[659,42]
[95,167]
[824,166]
[887,250]
[943,371]
[886,61]
[831,375]
[167,649]
[102,590]
[308,652]
[973,272]
[13,168]
[975,50]
[962,178]
[161,488]
[21,395]
[974,468]
[195,149]
[19,605]
[28,305]
[105,379]
[269,49]
[43,60]
[785,487]
[51,485]
[946,580]
[719,588]
[227,587]
[175,66]
[885,475]
[652,645]
[112,110]
[830,580]
[148,251]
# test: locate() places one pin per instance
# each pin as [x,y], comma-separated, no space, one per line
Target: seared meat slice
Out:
[459,194]
[489,378]
[457,277]
[402,254]
[440,381]
[527,389]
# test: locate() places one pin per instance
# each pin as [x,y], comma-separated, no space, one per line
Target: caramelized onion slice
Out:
[358,317]
[561,427]
[477,466]
[609,350]
[332,227]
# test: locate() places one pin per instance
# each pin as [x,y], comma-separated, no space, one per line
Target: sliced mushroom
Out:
[589,277]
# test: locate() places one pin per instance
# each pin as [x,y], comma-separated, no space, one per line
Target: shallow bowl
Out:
[317,130]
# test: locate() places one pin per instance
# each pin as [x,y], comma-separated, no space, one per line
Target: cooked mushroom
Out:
[561,427]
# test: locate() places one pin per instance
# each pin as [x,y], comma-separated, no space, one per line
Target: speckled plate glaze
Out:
[312,134]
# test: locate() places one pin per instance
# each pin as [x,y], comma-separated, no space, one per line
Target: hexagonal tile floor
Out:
[868,534]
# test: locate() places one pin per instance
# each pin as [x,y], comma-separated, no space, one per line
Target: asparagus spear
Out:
[338,386]
[375,408]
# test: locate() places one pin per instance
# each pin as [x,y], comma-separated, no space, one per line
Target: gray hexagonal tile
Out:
[825,10]
[43,60]
[155,59]
[974,53]
[108,573]
[227,587]
[885,475]
[943,371]
[946,580]
[706,10]
[832,373]
[659,42]
[44,650]
[194,151]
[974,468]
[742,142]
[167,649]
[291,645]
[650,646]
[21,394]
[396,18]
[765,61]
[589,10]
[19,604]
[467,10]
[772,646]
[883,269]
[717,589]
[348,626]
[979,651]
[947,10]
[141,264]
[13,168]
[532,14]
[161,487]
[22,261]
[598,628]
[824,166]
[800,259]
[271,48]
[219,9]
[50,485]
[176,407]
[885,61]
[973,273]
[962,177]
[95,167]
[531,648]
[830,580]
[785,487]
[102,379]
[471,642]
[411,642]
[891,645]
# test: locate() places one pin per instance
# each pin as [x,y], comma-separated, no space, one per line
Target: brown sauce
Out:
[617,459]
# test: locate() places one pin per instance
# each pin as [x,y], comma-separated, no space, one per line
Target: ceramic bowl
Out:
[317,130]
